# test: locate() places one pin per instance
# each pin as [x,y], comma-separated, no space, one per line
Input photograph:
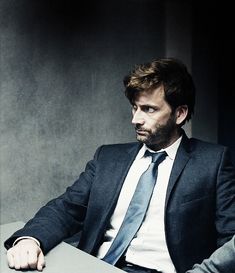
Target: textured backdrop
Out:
[62,66]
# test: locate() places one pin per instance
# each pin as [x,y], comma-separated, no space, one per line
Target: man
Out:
[190,209]
[221,261]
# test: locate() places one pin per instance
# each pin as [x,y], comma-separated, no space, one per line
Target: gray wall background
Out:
[62,66]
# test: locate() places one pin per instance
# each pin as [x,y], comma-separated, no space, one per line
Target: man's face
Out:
[155,124]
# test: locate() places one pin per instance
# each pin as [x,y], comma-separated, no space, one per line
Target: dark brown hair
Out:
[172,74]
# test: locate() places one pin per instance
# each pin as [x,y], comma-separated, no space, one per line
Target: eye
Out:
[149,109]
[134,108]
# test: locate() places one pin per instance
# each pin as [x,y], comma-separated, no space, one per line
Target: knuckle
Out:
[32,260]
[32,265]
[17,266]
[24,265]
[11,264]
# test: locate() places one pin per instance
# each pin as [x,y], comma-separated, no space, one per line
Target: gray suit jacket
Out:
[221,261]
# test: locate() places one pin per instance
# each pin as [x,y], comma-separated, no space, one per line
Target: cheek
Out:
[158,120]
[152,124]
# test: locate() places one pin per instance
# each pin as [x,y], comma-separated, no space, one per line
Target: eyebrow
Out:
[147,105]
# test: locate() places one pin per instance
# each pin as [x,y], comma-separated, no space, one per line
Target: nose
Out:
[137,118]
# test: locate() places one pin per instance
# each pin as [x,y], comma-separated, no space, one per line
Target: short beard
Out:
[162,135]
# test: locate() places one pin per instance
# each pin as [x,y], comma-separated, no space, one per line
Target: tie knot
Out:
[156,157]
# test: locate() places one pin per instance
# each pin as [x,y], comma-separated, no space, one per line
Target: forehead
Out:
[151,97]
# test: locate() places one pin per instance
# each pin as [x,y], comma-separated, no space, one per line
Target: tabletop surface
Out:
[61,259]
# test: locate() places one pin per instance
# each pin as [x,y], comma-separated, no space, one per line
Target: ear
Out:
[181,113]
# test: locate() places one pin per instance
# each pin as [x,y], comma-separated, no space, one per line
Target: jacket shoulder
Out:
[120,146]
[116,150]
[205,145]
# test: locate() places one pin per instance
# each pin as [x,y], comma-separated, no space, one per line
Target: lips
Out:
[141,132]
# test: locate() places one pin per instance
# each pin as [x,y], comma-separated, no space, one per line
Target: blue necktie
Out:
[136,210]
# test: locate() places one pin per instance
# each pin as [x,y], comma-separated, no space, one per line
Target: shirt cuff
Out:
[26,237]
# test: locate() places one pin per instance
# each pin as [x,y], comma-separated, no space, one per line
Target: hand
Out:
[26,254]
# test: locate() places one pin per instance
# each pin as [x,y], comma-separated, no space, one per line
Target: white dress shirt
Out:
[148,248]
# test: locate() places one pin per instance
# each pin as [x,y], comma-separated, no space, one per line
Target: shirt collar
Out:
[171,150]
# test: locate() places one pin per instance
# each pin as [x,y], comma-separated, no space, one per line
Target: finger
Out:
[17,261]
[10,259]
[32,259]
[41,262]
[23,255]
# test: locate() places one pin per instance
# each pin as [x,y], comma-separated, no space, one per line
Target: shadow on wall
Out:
[62,65]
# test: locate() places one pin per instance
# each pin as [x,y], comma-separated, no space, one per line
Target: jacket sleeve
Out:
[221,261]
[63,216]
[225,200]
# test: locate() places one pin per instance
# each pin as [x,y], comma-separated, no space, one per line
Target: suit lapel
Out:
[117,170]
[181,159]
[121,167]
[123,163]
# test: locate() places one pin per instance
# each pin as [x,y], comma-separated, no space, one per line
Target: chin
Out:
[141,138]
